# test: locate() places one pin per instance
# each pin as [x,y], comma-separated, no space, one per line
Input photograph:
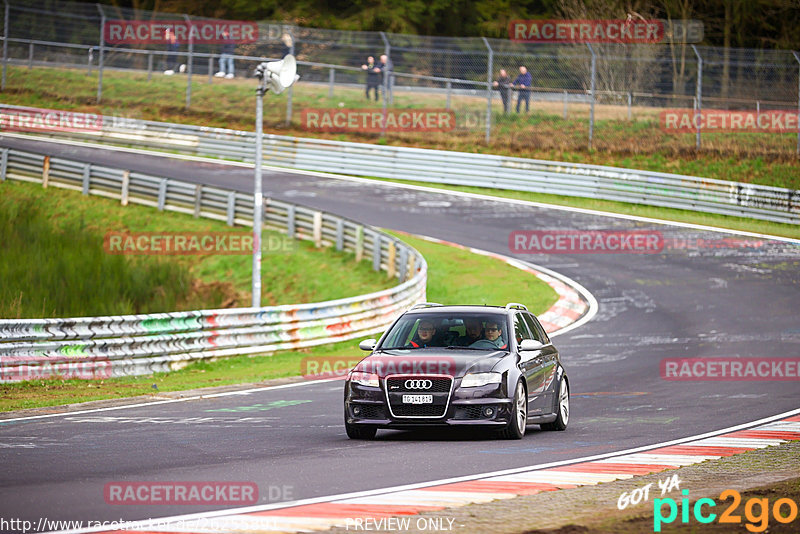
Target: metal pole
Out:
[149,66]
[291,89]
[89,61]
[101,57]
[797,57]
[189,62]
[592,90]
[5,47]
[30,55]
[489,69]
[565,104]
[449,87]
[630,103]
[258,199]
[698,110]
[331,81]
[386,49]
[210,69]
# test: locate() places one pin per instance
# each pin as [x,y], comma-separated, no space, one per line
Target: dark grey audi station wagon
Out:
[485,366]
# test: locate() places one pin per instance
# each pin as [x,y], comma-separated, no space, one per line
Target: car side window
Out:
[521,330]
[535,326]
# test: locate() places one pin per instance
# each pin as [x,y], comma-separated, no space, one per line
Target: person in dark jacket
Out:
[226,57]
[503,84]
[373,76]
[523,84]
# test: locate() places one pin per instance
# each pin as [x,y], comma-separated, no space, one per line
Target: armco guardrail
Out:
[142,344]
[457,168]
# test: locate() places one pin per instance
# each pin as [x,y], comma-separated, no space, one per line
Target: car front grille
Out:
[440,388]
[438,384]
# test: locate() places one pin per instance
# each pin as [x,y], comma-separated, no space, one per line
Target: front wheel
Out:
[519,414]
[360,431]
[562,410]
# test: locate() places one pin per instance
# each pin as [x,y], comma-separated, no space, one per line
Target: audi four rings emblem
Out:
[418,384]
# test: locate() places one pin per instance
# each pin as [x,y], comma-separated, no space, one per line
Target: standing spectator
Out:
[172,51]
[387,68]
[503,84]
[523,85]
[373,76]
[226,57]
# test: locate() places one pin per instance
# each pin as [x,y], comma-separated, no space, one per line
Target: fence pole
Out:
[592,90]
[5,46]
[89,60]
[386,49]
[698,110]
[149,66]
[101,56]
[797,57]
[210,69]
[565,104]
[449,87]
[189,62]
[630,103]
[30,56]
[258,199]
[331,81]
[489,70]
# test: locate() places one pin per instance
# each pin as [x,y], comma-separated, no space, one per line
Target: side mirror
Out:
[530,344]
[368,344]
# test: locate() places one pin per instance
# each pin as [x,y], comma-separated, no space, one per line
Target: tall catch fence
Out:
[608,97]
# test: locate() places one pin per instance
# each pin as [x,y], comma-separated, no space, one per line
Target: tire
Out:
[360,431]
[562,408]
[519,416]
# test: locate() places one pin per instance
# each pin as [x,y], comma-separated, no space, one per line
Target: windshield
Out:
[458,330]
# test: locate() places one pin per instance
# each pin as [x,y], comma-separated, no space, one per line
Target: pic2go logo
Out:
[758,521]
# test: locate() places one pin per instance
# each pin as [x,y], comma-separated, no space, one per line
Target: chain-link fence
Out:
[609,97]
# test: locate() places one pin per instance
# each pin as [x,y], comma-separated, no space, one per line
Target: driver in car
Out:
[473,332]
[424,335]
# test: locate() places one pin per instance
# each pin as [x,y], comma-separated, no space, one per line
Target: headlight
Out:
[480,379]
[365,379]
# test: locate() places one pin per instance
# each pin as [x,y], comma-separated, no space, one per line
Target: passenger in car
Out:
[424,336]
[494,337]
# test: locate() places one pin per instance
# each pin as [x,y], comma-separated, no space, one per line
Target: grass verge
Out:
[639,143]
[53,262]
[454,276]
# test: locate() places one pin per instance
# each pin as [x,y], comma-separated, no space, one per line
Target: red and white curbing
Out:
[571,305]
[343,512]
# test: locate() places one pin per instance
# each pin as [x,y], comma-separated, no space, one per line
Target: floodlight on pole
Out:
[273,76]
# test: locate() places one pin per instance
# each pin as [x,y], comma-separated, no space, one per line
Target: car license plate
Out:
[417,399]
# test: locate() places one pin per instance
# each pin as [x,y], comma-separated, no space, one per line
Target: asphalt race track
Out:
[729,301]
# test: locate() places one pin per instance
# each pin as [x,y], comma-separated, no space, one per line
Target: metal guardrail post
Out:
[231,213]
[101,57]
[376,251]
[162,194]
[5,45]
[87,172]
[797,57]
[198,200]
[339,234]
[489,69]
[291,218]
[698,110]
[189,62]
[3,164]
[592,84]
[331,81]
